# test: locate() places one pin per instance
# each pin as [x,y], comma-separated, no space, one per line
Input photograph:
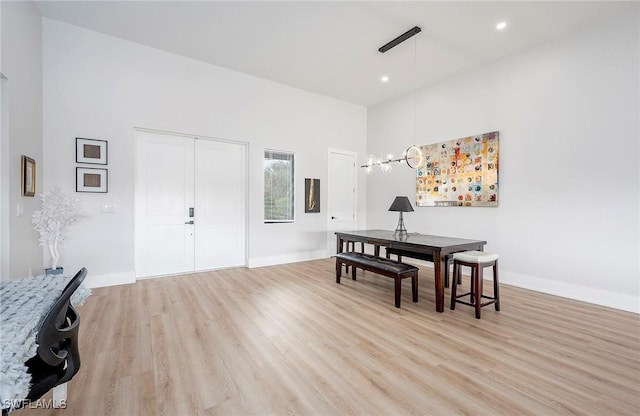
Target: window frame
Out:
[268,155]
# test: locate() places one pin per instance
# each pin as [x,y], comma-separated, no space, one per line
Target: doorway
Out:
[190,204]
[341,195]
[5,175]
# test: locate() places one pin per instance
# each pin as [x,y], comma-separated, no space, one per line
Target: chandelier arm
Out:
[384,164]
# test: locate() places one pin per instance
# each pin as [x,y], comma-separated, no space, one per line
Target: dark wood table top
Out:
[437,242]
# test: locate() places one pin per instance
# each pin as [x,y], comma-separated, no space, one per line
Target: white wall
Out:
[21,135]
[100,87]
[568,116]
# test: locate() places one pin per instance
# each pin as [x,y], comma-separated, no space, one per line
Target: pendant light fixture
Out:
[412,156]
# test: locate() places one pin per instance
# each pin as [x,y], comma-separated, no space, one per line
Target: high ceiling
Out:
[331,47]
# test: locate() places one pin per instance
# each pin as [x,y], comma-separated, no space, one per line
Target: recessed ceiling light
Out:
[501,25]
[384,78]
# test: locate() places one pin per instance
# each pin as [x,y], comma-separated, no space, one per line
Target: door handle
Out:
[189,222]
[333,218]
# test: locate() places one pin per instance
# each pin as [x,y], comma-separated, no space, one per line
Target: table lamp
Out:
[401,204]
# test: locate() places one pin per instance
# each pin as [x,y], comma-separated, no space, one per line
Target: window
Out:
[278,186]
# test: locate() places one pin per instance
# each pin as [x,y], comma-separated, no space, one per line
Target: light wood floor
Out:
[289,340]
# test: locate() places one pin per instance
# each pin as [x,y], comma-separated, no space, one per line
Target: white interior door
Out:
[342,194]
[5,183]
[164,193]
[190,204]
[220,217]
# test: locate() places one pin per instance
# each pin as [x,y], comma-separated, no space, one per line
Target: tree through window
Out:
[278,186]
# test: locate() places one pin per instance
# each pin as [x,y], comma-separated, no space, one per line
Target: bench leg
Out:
[414,287]
[353,272]
[446,272]
[338,270]
[398,289]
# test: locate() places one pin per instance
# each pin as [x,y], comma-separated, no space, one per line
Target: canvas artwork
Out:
[461,172]
[312,195]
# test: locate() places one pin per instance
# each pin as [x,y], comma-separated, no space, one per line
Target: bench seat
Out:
[379,265]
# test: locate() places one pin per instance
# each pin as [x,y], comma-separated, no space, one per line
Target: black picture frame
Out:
[91,151]
[94,180]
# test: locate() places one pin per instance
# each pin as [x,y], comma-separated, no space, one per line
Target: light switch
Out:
[109,208]
[19,210]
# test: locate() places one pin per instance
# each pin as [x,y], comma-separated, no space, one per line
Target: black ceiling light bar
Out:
[400,39]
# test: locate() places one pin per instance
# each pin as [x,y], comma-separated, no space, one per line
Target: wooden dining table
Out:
[414,245]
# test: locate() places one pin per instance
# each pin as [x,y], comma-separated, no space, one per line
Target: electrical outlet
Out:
[109,208]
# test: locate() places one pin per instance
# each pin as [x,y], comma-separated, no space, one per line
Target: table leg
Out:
[438,271]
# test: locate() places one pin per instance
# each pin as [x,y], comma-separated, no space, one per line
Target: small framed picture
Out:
[91,151]
[91,180]
[28,176]
[311,195]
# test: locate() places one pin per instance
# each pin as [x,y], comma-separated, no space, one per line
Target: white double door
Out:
[190,204]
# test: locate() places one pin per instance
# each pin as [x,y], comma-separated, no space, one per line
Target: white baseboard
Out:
[287,258]
[629,303]
[93,281]
[625,302]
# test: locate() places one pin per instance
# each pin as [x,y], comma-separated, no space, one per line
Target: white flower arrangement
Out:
[59,211]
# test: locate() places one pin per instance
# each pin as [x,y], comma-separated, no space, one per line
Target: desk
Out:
[437,246]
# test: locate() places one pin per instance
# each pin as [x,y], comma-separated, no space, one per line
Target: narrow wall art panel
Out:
[459,173]
[311,195]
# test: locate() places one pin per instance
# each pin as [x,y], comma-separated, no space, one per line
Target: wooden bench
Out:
[379,265]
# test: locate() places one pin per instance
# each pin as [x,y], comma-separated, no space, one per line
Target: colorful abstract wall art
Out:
[459,173]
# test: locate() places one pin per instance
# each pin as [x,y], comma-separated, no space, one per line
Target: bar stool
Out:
[477,261]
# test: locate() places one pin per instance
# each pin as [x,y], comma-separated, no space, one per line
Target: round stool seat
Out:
[475,257]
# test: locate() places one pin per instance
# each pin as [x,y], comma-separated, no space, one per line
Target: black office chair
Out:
[58,358]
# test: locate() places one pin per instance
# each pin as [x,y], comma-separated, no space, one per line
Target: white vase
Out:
[54,272]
